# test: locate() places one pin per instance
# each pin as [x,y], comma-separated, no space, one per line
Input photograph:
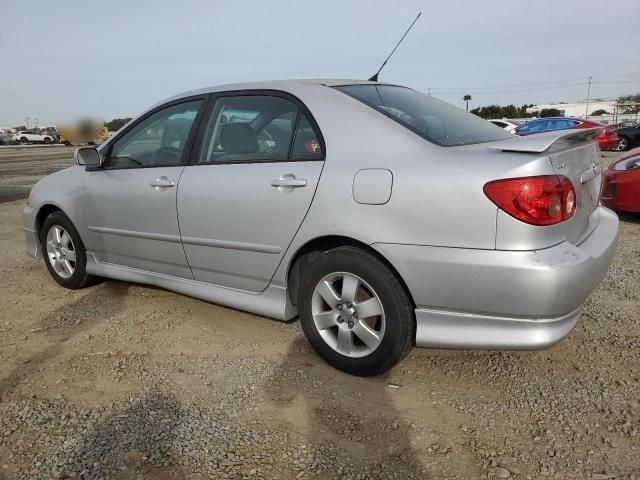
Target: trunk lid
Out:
[575,155]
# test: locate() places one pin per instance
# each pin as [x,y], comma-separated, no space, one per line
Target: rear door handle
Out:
[162,182]
[288,182]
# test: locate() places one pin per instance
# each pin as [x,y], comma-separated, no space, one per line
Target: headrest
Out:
[238,138]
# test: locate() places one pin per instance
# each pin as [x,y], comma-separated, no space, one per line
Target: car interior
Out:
[249,128]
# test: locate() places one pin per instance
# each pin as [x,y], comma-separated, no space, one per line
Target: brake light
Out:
[540,200]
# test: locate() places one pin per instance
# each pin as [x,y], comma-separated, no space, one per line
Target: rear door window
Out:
[434,120]
[307,142]
[258,128]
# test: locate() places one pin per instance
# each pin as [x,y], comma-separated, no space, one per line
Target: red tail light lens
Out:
[541,200]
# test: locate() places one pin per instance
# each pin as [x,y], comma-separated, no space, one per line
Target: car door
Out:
[130,203]
[248,187]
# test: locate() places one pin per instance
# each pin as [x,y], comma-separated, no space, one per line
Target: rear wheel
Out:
[355,312]
[64,252]
[623,144]
[24,140]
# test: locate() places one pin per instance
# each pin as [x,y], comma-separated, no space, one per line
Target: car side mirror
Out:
[88,156]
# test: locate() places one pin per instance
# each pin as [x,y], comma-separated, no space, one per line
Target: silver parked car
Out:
[380,216]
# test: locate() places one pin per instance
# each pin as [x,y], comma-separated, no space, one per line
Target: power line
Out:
[533,86]
[529,89]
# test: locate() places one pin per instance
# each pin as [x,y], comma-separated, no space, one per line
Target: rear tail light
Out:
[541,200]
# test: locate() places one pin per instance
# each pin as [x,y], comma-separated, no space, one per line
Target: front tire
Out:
[47,140]
[64,252]
[355,312]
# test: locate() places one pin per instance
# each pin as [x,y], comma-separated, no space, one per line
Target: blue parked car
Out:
[606,140]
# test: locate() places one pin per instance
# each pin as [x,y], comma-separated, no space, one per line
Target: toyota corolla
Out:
[381,217]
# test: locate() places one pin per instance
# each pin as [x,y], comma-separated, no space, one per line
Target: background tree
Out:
[550,112]
[467,99]
[629,99]
[508,111]
[116,124]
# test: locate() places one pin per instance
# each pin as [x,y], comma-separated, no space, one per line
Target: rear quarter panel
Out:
[437,197]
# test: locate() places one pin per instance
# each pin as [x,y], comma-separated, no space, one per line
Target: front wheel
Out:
[47,140]
[64,252]
[355,312]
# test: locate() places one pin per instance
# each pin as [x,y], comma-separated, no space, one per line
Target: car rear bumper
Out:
[32,245]
[502,299]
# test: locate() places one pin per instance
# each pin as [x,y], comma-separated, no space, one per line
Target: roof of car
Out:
[274,85]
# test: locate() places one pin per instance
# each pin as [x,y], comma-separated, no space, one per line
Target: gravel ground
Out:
[126,381]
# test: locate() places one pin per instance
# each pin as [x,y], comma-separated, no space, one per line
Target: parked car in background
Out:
[327,200]
[621,190]
[6,139]
[608,139]
[508,125]
[629,137]
[32,136]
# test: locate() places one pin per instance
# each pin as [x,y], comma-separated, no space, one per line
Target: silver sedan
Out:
[381,217]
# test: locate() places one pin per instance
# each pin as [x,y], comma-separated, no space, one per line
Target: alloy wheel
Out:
[622,145]
[348,314]
[61,252]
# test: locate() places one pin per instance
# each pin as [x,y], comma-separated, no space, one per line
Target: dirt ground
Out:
[128,381]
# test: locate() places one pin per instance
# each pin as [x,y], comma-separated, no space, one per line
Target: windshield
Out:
[435,120]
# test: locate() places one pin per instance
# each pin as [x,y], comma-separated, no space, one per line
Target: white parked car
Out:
[27,136]
[507,125]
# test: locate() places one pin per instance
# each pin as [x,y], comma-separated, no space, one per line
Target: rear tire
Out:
[64,252]
[24,140]
[623,144]
[365,332]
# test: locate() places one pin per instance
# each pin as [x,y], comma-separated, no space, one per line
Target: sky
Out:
[69,58]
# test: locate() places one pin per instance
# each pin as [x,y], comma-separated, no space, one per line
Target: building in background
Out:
[578,109]
[614,113]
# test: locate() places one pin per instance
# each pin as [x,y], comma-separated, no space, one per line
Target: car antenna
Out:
[374,78]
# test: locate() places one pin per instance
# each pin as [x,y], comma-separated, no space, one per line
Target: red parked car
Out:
[621,189]
[607,139]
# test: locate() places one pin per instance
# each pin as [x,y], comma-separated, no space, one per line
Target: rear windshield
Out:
[432,119]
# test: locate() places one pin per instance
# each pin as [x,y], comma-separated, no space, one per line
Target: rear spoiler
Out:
[548,141]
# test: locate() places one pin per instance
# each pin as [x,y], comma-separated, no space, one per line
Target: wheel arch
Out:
[43,212]
[315,247]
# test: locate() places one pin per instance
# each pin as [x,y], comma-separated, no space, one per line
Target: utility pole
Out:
[429,91]
[26,121]
[586,113]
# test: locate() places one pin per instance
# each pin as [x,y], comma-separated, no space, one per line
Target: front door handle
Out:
[162,182]
[287,182]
